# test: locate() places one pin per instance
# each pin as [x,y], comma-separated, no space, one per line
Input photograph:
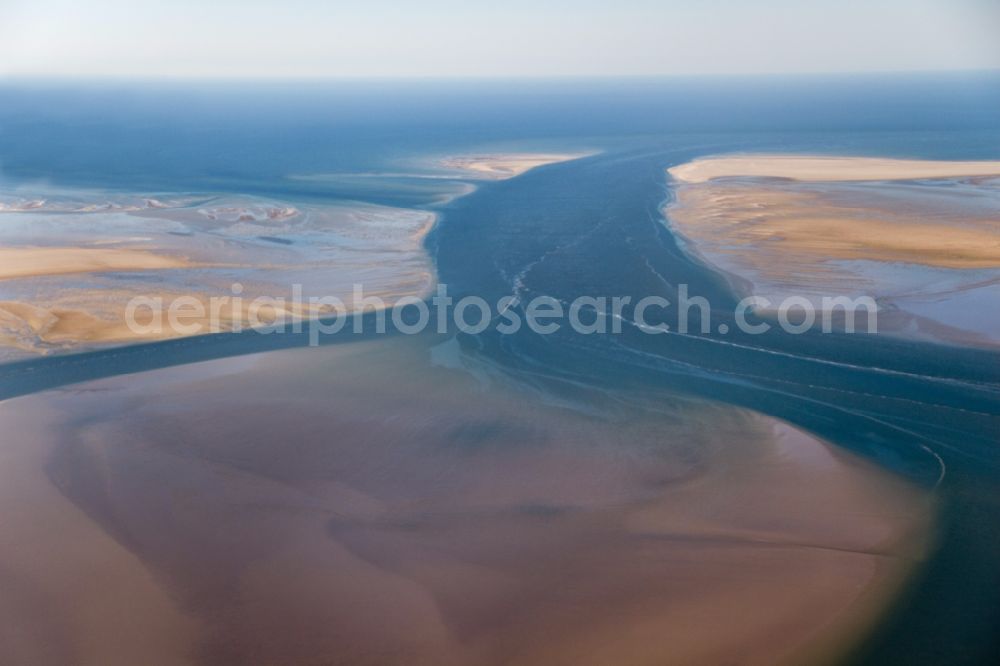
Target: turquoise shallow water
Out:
[592,227]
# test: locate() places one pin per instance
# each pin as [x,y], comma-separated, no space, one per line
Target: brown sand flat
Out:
[355,505]
[72,593]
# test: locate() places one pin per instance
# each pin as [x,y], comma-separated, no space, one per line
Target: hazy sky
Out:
[354,38]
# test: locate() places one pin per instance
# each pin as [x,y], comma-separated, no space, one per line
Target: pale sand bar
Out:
[827,169]
[501,166]
[17,262]
[809,224]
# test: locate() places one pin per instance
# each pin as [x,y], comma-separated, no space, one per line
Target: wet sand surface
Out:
[389,503]
[71,263]
[928,251]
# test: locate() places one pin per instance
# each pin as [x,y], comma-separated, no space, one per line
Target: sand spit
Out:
[501,166]
[828,169]
[21,262]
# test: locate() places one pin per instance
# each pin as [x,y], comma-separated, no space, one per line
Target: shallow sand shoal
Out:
[20,262]
[819,168]
[505,165]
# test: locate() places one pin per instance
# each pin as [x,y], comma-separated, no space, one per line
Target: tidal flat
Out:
[379,503]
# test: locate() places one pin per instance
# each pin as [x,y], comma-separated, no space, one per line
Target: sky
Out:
[502,38]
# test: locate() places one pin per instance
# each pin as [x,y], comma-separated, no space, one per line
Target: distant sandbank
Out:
[828,169]
[500,166]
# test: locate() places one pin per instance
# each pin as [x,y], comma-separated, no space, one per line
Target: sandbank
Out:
[773,218]
[101,251]
[501,166]
[829,169]
[918,248]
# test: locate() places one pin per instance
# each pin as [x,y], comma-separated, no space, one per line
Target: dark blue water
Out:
[589,227]
[217,135]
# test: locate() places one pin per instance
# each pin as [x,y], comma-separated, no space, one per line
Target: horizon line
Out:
[510,78]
